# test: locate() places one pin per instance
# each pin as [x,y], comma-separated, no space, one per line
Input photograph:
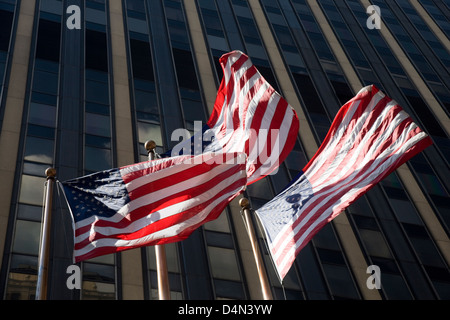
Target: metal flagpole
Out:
[160,251]
[265,287]
[44,248]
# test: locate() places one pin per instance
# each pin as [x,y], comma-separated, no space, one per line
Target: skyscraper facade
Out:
[83,85]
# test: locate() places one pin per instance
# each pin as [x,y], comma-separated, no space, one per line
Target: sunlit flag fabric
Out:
[249,116]
[369,138]
[153,202]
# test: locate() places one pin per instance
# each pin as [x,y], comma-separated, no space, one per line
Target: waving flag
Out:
[249,116]
[153,202]
[370,137]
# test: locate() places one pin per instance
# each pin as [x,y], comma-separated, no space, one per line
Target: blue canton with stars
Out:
[280,210]
[101,194]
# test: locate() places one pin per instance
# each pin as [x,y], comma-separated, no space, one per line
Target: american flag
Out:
[369,138]
[249,116]
[152,202]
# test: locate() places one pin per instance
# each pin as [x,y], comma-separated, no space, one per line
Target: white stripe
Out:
[237,138]
[344,200]
[254,99]
[330,176]
[164,212]
[162,193]
[224,138]
[255,136]
[343,129]
[257,145]
[237,75]
[360,163]
[175,168]
[168,232]
[380,165]
[273,160]
[149,164]
[232,58]
[242,91]
[336,189]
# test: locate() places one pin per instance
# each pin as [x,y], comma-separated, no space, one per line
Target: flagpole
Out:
[265,287]
[44,247]
[160,250]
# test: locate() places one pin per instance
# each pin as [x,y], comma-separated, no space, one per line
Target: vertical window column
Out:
[99,280]
[7,12]
[37,155]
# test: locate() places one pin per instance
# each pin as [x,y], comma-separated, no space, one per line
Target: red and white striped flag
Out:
[165,200]
[369,138]
[153,202]
[250,116]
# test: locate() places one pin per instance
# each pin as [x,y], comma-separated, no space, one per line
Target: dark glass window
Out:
[424,113]
[97,159]
[26,238]
[97,108]
[42,114]
[44,98]
[46,82]
[146,101]
[40,131]
[187,78]
[135,5]
[97,141]
[249,30]
[29,212]
[343,91]
[48,43]
[141,59]
[98,281]
[309,94]
[97,92]
[6,18]
[392,282]
[98,124]
[96,50]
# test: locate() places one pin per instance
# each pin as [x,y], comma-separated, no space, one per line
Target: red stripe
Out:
[292,139]
[165,202]
[266,150]
[99,251]
[343,189]
[231,87]
[172,220]
[239,115]
[349,135]
[221,93]
[365,98]
[256,85]
[338,189]
[169,180]
[155,186]
[233,116]
[235,90]
[418,147]
[154,167]
[257,118]
[375,155]
[358,140]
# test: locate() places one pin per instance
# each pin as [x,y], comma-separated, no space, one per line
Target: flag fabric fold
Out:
[249,116]
[370,137]
[152,202]
[165,200]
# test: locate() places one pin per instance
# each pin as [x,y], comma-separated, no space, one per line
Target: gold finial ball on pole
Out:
[244,203]
[150,145]
[50,172]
